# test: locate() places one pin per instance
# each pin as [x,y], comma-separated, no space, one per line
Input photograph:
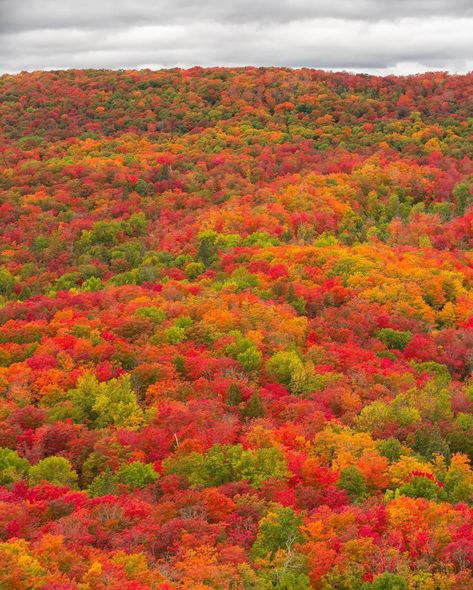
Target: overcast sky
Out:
[374,36]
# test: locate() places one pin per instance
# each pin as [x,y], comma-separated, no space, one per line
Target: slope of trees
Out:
[236,330]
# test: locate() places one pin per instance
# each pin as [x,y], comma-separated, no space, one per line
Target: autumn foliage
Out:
[236,330]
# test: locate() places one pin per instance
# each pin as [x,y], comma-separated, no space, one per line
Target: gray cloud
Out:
[378,36]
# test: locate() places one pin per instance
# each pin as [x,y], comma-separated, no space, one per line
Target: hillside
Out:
[236,330]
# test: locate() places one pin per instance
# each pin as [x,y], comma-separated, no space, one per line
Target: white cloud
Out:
[376,36]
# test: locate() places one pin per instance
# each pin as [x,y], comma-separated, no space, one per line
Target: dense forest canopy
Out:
[236,330]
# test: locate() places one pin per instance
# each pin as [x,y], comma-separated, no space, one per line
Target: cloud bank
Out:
[374,36]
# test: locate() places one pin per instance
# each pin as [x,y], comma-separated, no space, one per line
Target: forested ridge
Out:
[236,330]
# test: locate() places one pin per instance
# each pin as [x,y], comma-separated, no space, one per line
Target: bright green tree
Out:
[56,470]
[136,474]
[12,466]
[283,365]
[279,529]
[116,404]
[105,404]
[386,581]
[7,281]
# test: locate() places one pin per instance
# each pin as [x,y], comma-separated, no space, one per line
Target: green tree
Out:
[190,466]
[283,365]
[349,577]
[211,242]
[386,581]
[242,279]
[175,334]
[102,232]
[352,481]
[279,578]
[266,463]
[105,404]
[116,404]
[92,284]
[103,484]
[67,281]
[225,463]
[245,352]
[154,313]
[463,195]
[394,339]
[7,281]
[234,396]
[136,224]
[422,487]
[390,448]
[180,363]
[279,529]
[429,442]
[250,359]
[207,251]
[56,470]
[194,269]
[12,466]
[83,397]
[254,407]
[136,474]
